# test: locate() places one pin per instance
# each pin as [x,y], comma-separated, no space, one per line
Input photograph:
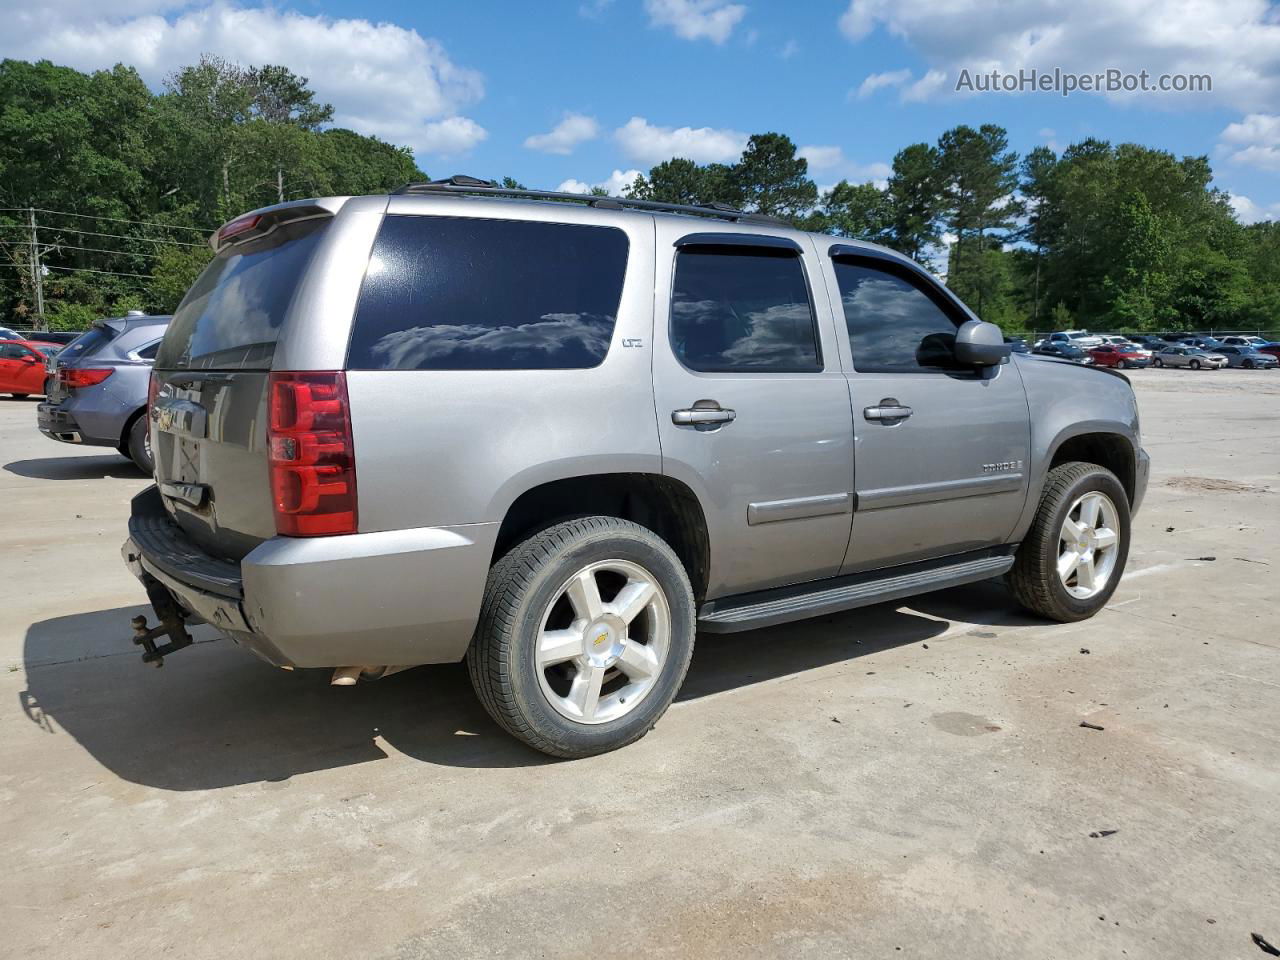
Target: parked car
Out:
[1201,343]
[1017,344]
[1148,343]
[97,387]
[1248,358]
[1245,341]
[1177,355]
[22,366]
[1075,338]
[1271,348]
[1065,351]
[60,337]
[441,425]
[1123,355]
[7,333]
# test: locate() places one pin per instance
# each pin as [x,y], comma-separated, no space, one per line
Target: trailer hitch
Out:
[172,625]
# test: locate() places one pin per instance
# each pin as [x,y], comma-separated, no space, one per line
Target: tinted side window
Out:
[743,310]
[895,326]
[148,352]
[452,293]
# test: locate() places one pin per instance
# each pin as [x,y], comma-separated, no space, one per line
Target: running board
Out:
[768,607]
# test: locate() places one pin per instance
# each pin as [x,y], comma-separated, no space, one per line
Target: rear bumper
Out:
[56,423]
[372,599]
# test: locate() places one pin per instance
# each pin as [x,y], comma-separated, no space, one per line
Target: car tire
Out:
[546,636]
[1036,579]
[1194,364]
[1247,364]
[137,446]
[1157,362]
[20,396]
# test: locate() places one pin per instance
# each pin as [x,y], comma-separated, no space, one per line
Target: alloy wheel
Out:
[1088,545]
[598,658]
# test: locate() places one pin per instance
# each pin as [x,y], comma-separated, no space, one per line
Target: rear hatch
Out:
[209,410]
[82,351]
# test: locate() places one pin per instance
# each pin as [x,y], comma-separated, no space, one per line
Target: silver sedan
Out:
[1193,357]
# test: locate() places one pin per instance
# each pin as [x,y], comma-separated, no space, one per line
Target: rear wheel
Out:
[1194,364]
[21,396]
[1157,362]
[137,446]
[584,638]
[1072,559]
[1248,364]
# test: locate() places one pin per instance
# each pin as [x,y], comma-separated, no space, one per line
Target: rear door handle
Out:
[696,415]
[887,409]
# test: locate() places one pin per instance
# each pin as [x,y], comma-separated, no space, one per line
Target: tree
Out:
[682,181]
[979,178]
[772,180]
[915,201]
[862,211]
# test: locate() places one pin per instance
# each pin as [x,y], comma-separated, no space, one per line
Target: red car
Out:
[1271,348]
[1123,355]
[22,370]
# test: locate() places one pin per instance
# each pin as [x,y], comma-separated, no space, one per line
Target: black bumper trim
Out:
[164,546]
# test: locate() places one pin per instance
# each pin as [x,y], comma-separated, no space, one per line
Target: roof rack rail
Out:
[460,183]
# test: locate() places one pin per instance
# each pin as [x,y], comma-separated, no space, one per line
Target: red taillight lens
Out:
[74,377]
[153,391]
[237,227]
[313,466]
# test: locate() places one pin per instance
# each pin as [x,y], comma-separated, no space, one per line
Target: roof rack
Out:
[460,183]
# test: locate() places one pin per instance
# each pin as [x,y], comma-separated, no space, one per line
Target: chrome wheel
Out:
[598,658]
[1088,545]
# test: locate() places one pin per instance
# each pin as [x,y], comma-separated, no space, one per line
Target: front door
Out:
[752,407]
[941,457]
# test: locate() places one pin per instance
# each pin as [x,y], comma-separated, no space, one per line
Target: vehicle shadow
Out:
[215,716]
[75,468]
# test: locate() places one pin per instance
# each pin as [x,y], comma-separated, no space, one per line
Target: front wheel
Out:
[1248,364]
[585,635]
[1194,364]
[1157,362]
[1073,556]
[21,396]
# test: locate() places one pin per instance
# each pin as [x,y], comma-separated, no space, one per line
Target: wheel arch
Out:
[662,504]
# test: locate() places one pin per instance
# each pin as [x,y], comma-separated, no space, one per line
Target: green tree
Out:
[862,211]
[915,199]
[772,180]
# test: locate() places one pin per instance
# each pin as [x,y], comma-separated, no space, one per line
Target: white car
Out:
[1076,338]
[1245,341]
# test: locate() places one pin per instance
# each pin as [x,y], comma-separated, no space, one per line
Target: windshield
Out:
[231,317]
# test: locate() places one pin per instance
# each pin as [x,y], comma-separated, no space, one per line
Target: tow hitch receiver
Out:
[172,624]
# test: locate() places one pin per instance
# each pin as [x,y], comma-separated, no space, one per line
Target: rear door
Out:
[753,409]
[941,450]
[208,419]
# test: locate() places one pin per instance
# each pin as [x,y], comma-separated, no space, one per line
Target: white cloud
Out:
[1050,138]
[594,9]
[875,81]
[712,20]
[381,78]
[1249,212]
[1253,142]
[647,144]
[451,136]
[573,129]
[821,158]
[789,50]
[925,87]
[1237,42]
[613,184]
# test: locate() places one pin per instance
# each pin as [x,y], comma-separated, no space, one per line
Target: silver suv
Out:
[557,435]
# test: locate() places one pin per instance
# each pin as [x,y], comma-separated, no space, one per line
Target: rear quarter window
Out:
[88,343]
[455,293]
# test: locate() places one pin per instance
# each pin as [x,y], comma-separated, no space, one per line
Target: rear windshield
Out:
[230,319]
[88,343]
[449,293]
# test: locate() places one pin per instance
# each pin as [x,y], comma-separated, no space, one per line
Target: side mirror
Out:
[981,344]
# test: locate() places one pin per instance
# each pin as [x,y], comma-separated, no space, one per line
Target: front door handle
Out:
[888,409]
[699,415]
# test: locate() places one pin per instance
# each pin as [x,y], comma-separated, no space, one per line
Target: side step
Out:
[768,607]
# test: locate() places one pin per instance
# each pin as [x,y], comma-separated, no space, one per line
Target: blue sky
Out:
[570,93]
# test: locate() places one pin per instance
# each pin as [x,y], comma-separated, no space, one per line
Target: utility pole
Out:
[37,280]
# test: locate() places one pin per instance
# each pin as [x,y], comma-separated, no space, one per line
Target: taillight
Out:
[237,227]
[153,391]
[313,466]
[74,377]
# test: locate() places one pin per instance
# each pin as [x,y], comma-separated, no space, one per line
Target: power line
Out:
[89,216]
[91,233]
[53,248]
[112,273]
